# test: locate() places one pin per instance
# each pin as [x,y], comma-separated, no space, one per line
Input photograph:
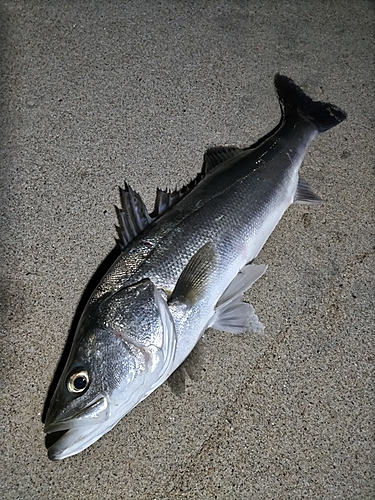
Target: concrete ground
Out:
[95,92]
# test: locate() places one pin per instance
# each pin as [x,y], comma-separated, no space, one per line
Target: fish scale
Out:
[218,217]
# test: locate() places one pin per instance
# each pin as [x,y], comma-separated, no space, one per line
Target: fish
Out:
[182,268]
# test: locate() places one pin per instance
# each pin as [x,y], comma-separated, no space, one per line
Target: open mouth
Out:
[58,444]
[53,437]
[70,436]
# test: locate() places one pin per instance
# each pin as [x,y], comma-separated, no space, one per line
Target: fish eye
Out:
[78,381]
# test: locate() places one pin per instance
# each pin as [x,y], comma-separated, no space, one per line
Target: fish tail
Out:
[293,100]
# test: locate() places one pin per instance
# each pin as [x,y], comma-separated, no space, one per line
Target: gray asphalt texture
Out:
[96,92]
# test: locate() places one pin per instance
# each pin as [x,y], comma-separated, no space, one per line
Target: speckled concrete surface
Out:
[93,93]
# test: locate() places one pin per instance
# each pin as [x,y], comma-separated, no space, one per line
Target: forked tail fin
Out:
[293,100]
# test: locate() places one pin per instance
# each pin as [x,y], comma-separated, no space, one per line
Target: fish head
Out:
[122,350]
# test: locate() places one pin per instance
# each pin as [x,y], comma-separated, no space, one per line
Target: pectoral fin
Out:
[196,277]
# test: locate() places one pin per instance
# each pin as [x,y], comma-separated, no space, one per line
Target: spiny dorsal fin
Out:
[166,199]
[133,216]
[214,156]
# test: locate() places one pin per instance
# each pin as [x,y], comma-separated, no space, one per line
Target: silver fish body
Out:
[183,268]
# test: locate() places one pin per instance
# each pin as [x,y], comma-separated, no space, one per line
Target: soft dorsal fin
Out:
[216,155]
[133,216]
[212,157]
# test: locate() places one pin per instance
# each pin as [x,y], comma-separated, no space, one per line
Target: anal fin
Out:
[305,195]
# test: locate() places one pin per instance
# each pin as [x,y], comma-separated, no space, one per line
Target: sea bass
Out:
[182,268]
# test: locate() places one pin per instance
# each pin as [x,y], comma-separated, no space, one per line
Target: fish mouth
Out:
[68,437]
[64,444]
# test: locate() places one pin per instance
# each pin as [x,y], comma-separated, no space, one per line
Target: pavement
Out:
[96,92]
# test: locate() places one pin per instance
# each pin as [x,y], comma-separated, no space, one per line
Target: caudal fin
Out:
[293,100]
